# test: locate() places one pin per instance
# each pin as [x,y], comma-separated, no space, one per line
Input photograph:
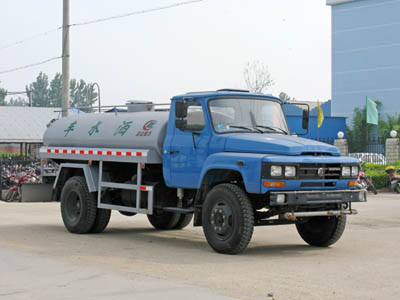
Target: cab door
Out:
[189,147]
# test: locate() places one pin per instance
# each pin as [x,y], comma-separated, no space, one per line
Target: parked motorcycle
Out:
[363,182]
[394,179]
[14,193]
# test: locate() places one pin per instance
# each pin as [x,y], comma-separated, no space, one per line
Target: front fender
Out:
[250,169]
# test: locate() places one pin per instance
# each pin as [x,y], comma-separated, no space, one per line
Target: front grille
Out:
[318,184]
[317,153]
[319,171]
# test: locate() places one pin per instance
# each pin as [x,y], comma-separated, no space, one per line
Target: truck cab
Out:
[228,158]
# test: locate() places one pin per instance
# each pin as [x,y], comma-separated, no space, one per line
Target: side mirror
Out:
[181,109]
[181,124]
[306,118]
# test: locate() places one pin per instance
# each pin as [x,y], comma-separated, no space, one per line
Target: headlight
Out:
[354,171]
[346,171]
[276,171]
[290,171]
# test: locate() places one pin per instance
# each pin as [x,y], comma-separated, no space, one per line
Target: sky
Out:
[156,55]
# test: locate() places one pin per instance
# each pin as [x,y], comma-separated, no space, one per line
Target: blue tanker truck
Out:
[225,159]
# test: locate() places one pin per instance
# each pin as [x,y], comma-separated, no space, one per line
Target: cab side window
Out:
[195,117]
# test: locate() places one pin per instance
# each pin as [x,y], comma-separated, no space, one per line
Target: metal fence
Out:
[373,145]
[372,151]
[330,141]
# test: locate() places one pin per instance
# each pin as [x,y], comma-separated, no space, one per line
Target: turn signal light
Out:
[274,184]
[352,183]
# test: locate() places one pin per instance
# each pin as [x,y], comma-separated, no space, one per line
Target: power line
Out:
[15,93]
[30,65]
[32,37]
[35,36]
[83,24]
[134,13]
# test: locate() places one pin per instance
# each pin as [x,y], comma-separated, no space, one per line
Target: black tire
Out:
[8,196]
[397,189]
[372,188]
[183,221]
[102,219]
[16,196]
[78,206]
[228,219]
[322,231]
[164,220]
[126,213]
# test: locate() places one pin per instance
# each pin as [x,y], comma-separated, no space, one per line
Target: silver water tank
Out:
[138,130]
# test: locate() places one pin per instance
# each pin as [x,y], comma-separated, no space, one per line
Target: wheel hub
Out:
[73,207]
[220,219]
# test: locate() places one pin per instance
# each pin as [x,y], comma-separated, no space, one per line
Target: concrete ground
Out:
[39,259]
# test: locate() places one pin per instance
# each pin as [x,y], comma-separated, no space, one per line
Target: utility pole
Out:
[65,60]
[30,96]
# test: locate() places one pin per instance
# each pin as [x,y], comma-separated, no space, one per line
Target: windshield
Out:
[247,115]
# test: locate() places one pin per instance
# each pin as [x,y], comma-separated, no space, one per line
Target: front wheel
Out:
[228,219]
[322,231]
[9,196]
[397,188]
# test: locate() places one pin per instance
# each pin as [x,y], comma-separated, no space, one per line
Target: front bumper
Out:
[316,197]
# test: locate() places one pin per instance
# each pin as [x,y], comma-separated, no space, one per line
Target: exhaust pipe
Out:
[292,216]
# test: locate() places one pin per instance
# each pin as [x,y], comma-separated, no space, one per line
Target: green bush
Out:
[378,175]
[5,155]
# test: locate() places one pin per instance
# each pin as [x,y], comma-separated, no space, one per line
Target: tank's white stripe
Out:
[97,152]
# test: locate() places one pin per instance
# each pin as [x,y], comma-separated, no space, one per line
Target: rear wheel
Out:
[102,219]
[78,206]
[127,213]
[183,221]
[228,219]
[164,220]
[322,231]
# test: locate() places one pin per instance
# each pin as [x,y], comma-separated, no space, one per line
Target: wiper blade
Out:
[273,128]
[246,127]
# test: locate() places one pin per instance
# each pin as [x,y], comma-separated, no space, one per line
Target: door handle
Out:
[172,151]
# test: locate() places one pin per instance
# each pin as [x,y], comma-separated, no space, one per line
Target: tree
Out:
[3,94]
[40,91]
[92,95]
[393,123]
[358,131]
[257,77]
[82,94]
[285,97]
[17,102]
[55,91]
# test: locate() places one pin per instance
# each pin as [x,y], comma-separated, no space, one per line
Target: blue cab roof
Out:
[225,93]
